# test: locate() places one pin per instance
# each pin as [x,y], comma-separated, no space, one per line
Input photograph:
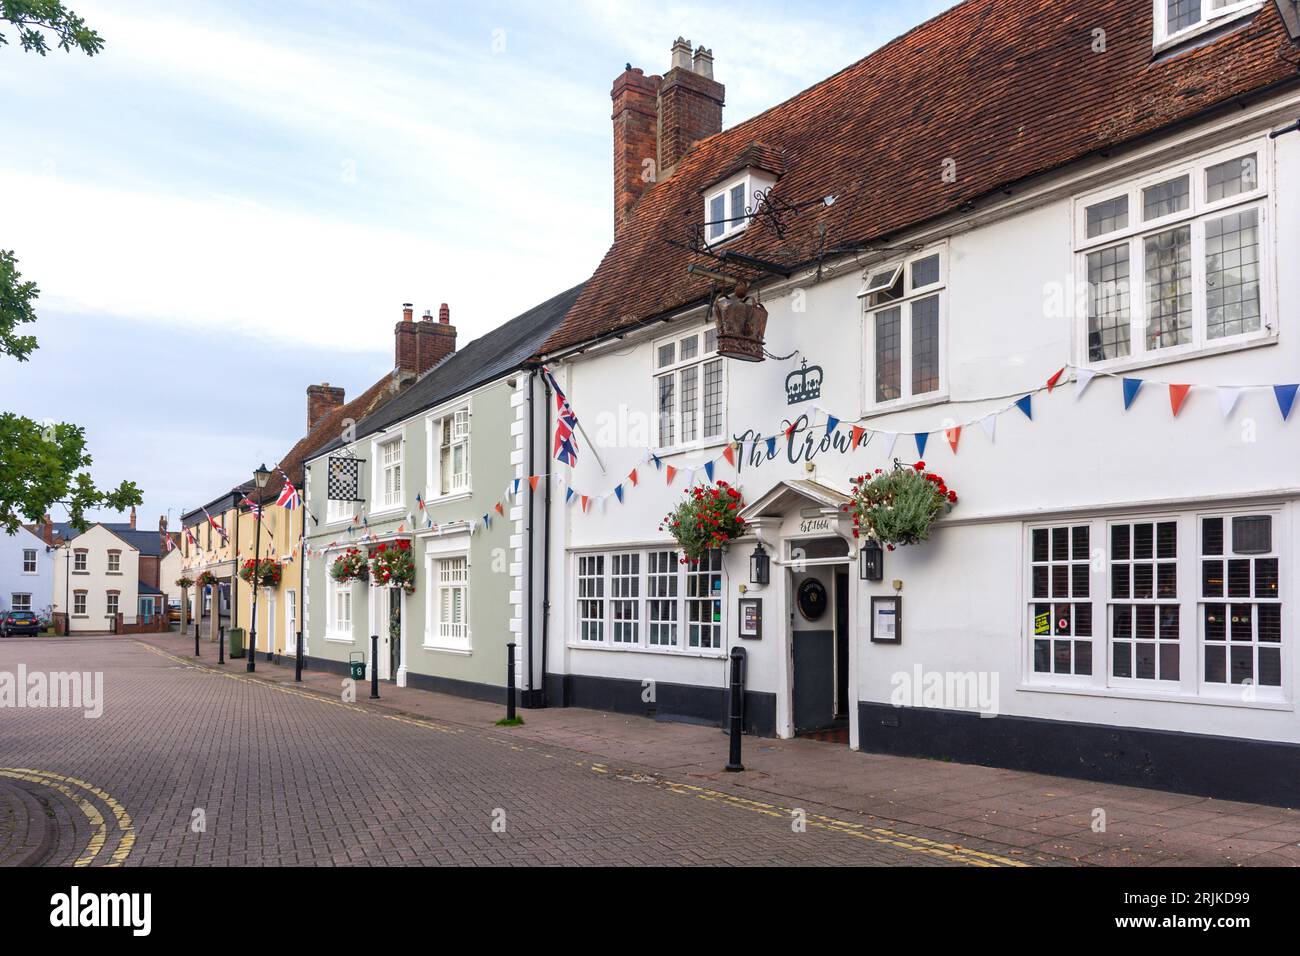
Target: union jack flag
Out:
[566,444]
[289,497]
[189,536]
[213,522]
[253,508]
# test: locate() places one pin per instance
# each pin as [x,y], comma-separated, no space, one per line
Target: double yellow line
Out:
[952,852]
[83,795]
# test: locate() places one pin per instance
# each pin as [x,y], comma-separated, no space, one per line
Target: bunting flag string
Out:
[1179,394]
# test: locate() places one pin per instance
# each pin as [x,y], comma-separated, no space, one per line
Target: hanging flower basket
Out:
[708,518]
[897,507]
[392,566]
[350,566]
[267,573]
[207,579]
[185,582]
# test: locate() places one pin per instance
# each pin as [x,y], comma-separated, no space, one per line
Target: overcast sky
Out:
[232,201]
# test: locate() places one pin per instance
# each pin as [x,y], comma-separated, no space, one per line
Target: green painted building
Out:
[437,479]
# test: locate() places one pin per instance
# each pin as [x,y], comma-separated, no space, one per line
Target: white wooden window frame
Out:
[114,565]
[435,554]
[20,601]
[338,594]
[461,419]
[705,344]
[1209,20]
[733,221]
[1109,601]
[81,560]
[911,295]
[1191,686]
[79,603]
[608,598]
[112,602]
[382,500]
[29,558]
[1281,552]
[1200,211]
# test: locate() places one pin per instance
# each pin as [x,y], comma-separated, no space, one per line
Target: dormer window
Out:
[727,210]
[1177,20]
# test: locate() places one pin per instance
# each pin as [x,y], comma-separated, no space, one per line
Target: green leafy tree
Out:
[43,464]
[39,21]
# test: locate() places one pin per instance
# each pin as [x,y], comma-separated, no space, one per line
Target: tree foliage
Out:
[39,21]
[16,309]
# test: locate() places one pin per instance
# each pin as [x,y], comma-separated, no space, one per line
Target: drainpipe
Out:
[234,583]
[300,612]
[532,496]
[546,544]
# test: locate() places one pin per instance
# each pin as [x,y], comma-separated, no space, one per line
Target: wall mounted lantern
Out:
[760,566]
[871,561]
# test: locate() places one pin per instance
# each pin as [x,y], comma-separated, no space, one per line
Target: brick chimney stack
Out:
[321,400]
[133,517]
[657,119]
[636,149]
[47,530]
[690,104]
[422,345]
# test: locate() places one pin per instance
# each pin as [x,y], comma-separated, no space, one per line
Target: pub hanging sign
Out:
[344,478]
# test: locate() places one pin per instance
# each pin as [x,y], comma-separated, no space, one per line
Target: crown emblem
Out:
[803,384]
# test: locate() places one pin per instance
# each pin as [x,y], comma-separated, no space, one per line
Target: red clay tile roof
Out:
[1007,88]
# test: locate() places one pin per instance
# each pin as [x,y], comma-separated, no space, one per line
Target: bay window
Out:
[649,600]
[904,330]
[689,390]
[1174,262]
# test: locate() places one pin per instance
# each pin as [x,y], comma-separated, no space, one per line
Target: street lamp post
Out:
[260,478]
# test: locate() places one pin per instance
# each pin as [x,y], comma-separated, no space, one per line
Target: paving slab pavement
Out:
[1027,814]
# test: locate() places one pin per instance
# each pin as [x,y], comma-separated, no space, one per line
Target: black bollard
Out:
[297,659]
[221,643]
[374,666]
[510,682]
[196,638]
[737,708]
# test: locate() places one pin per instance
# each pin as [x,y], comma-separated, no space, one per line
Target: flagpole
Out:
[592,445]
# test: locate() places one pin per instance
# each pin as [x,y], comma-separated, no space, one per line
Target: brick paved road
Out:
[287,777]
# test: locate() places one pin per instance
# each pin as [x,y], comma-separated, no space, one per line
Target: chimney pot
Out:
[408,312]
[427,317]
[690,104]
[681,54]
[133,517]
[704,62]
[444,314]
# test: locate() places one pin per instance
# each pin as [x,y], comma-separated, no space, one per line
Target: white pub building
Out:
[1050,251]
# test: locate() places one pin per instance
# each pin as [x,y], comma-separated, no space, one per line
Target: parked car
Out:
[174,611]
[15,623]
